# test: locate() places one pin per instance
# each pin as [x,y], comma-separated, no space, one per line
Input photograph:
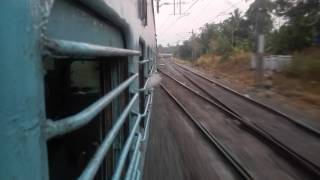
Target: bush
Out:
[305,65]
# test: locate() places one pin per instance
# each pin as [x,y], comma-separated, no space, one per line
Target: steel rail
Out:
[288,117]
[68,124]
[207,93]
[234,114]
[306,164]
[241,169]
[65,48]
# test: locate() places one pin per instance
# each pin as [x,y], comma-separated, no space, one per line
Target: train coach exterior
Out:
[73,88]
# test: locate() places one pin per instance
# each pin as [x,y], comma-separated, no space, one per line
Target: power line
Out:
[203,11]
[225,12]
[164,22]
[220,14]
[174,22]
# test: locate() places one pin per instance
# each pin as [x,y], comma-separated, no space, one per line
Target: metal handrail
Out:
[144,61]
[134,158]
[68,124]
[125,151]
[146,133]
[62,49]
[133,166]
[65,48]
[94,164]
[145,85]
[147,81]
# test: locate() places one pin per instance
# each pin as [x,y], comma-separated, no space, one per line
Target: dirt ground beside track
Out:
[289,93]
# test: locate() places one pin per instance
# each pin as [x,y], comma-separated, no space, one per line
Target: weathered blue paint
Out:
[84,31]
[68,124]
[124,14]
[69,20]
[23,147]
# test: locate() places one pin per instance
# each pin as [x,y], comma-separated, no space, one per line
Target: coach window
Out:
[143,15]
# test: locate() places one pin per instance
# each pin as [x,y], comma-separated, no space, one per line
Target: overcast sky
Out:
[195,13]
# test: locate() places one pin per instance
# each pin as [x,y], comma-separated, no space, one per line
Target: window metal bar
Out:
[146,133]
[145,85]
[95,162]
[138,174]
[126,149]
[64,48]
[144,61]
[134,158]
[62,126]
[136,166]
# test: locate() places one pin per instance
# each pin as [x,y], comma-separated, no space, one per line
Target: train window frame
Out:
[143,11]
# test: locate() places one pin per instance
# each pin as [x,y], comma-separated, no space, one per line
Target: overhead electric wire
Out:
[174,22]
[225,12]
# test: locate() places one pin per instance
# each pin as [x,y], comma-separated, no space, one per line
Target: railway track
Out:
[310,169]
[266,107]
[242,170]
[301,140]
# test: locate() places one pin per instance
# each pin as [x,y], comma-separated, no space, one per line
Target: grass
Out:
[298,84]
[305,65]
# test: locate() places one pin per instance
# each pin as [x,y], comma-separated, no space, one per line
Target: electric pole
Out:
[192,45]
[174,7]
[259,51]
[177,6]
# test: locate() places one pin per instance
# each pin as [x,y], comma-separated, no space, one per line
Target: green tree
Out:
[302,25]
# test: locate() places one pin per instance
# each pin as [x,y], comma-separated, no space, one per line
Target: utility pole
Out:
[177,6]
[174,7]
[192,45]
[178,50]
[260,40]
[180,3]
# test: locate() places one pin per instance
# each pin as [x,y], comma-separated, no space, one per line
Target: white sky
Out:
[174,29]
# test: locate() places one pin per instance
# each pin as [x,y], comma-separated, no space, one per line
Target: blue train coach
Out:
[74,97]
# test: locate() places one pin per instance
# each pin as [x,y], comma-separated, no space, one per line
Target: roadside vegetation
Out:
[225,48]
